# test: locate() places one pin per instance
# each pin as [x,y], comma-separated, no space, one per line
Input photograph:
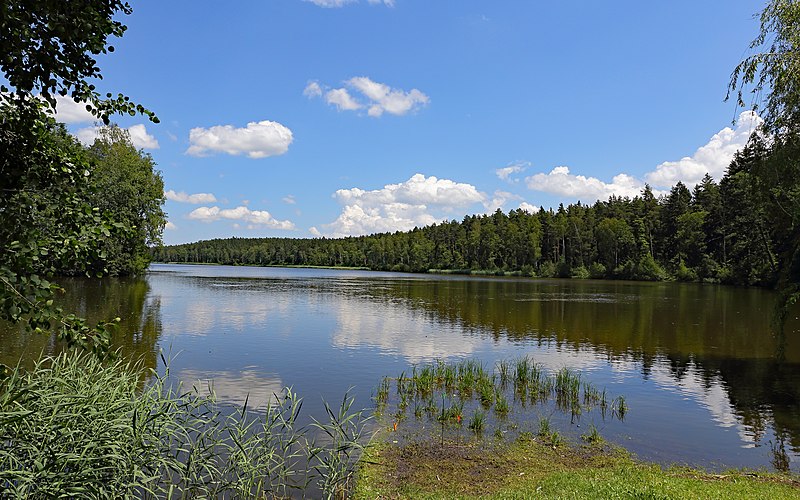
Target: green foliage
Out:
[48,223]
[126,187]
[580,273]
[75,426]
[49,49]
[773,69]
[774,177]
[51,222]
[597,270]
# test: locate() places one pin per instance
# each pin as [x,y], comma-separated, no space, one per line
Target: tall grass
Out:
[75,426]
[511,386]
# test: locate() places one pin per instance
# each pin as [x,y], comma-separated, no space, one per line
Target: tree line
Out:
[728,232]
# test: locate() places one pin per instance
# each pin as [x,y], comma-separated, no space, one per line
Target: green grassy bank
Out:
[534,467]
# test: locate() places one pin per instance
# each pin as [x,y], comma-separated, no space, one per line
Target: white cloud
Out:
[498,200]
[138,134]
[514,168]
[87,135]
[257,140]
[289,199]
[560,181]
[377,98]
[329,4]
[170,226]
[141,139]
[384,98]
[419,201]
[312,90]
[712,158]
[69,111]
[342,99]
[195,199]
[255,218]
[528,207]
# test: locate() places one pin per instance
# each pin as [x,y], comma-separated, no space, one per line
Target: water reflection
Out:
[96,300]
[235,387]
[696,363]
[709,344]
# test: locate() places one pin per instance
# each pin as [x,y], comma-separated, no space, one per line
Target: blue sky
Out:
[301,118]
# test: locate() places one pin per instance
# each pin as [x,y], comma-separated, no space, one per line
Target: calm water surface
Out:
[706,382]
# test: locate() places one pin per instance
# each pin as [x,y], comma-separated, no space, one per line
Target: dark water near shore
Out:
[706,381]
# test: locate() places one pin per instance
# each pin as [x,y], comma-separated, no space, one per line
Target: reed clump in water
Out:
[512,385]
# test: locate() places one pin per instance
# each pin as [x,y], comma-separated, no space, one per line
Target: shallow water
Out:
[705,381]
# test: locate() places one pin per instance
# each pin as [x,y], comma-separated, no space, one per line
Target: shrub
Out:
[547,270]
[580,272]
[597,270]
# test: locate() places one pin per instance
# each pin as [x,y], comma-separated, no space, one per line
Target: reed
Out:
[75,426]
[501,405]
[504,370]
[478,421]
[382,394]
[510,385]
[544,427]
[592,436]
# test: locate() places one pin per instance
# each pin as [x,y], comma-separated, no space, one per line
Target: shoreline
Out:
[533,465]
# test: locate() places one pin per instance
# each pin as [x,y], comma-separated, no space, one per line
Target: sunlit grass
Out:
[537,468]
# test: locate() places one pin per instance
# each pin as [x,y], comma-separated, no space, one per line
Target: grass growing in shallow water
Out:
[77,427]
[422,464]
[511,390]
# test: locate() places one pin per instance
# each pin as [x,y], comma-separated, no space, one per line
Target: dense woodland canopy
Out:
[718,232]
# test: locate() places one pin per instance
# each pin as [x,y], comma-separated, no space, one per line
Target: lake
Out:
[706,382]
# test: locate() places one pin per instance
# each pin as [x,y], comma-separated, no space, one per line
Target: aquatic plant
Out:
[513,384]
[478,421]
[544,427]
[592,436]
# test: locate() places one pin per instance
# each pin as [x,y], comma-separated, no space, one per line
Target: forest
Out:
[734,231]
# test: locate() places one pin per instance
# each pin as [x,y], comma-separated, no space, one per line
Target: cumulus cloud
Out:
[419,201]
[256,140]
[561,182]
[312,90]
[377,98]
[528,207]
[170,226]
[342,99]
[138,134]
[514,168]
[141,139]
[70,112]
[254,218]
[712,158]
[194,199]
